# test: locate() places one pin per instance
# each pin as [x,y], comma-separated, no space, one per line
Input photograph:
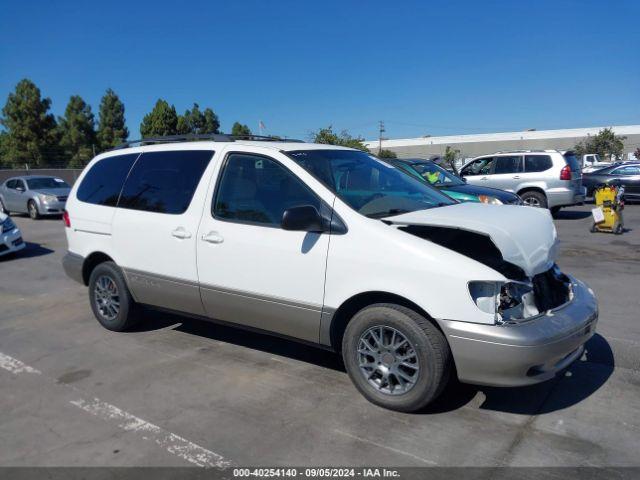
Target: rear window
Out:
[102,184]
[572,161]
[537,163]
[164,182]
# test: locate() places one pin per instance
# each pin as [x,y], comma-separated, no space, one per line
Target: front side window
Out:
[103,182]
[257,189]
[481,166]
[509,164]
[537,163]
[368,185]
[164,182]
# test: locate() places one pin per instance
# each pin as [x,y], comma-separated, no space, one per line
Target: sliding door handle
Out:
[212,237]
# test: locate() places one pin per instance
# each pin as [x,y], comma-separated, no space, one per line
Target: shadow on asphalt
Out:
[583,378]
[30,251]
[571,215]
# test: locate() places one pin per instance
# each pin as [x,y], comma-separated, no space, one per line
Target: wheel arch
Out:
[354,304]
[91,262]
[532,188]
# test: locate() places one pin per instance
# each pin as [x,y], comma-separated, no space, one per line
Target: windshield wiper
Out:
[388,213]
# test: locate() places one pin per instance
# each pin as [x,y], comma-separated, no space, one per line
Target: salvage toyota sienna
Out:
[333,247]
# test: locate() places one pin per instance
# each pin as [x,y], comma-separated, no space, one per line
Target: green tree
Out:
[4,145]
[343,139]
[387,154]
[31,129]
[77,134]
[240,129]
[162,120]
[637,153]
[605,143]
[450,155]
[211,122]
[112,130]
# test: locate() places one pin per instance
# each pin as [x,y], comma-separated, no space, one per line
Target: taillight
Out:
[67,221]
[565,173]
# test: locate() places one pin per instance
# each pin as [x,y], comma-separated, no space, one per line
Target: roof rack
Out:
[214,137]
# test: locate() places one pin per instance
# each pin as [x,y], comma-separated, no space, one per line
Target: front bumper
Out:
[11,242]
[51,208]
[527,353]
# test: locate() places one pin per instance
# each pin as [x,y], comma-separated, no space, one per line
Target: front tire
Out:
[111,300]
[395,357]
[33,210]
[3,208]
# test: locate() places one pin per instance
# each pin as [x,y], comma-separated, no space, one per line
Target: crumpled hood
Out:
[525,236]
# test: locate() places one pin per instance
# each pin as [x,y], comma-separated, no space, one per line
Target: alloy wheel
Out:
[107,297]
[388,360]
[531,202]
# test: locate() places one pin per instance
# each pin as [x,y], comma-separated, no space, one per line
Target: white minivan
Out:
[332,247]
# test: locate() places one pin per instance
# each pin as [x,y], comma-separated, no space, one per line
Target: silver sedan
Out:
[34,194]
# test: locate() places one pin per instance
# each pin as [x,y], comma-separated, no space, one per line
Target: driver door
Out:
[251,271]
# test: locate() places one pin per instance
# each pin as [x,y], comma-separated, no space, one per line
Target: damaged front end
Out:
[514,301]
[521,297]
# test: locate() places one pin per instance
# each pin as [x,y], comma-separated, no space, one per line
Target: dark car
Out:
[452,185]
[627,174]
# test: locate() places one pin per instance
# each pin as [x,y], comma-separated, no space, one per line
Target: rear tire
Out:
[110,298]
[407,368]
[555,210]
[534,199]
[33,210]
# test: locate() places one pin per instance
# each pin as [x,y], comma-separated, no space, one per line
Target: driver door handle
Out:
[212,237]
[516,177]
[483,178]
[180,233]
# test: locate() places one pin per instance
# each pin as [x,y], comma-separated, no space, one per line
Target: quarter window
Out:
[103,182]
[630,170]
[510,164]
[537,163]
[256,189]
[164,182]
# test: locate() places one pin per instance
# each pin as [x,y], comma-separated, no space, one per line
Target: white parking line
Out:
[172,443]
[14,366]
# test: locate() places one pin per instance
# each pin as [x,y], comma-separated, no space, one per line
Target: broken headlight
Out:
[508,302]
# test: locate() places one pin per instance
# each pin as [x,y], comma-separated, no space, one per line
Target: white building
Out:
[484,143]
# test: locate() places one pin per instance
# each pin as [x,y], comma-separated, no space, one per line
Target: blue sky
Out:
[422,67]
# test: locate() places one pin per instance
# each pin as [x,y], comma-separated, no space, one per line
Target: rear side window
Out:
[164,182]
[102,184]
[511,164]
[537,163]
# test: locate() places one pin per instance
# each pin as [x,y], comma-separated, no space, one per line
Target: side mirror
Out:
[20,189]
[305,218]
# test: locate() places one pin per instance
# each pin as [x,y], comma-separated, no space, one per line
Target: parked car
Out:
[627,174]
[10,236]
[544,178]
[452,185]
[34,194]
[333,247]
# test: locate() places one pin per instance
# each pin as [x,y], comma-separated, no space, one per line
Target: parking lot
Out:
[179,391]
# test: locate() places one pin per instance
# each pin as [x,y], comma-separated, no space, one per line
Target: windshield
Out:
[436,175]
[49,182]
[369,185]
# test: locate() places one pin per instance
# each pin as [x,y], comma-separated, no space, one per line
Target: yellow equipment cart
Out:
[607,216]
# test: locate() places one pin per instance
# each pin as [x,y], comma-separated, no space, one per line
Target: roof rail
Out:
[214,137]
[265,138]
[520,151]
[190,137]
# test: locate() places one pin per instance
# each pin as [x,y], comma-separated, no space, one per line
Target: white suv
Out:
[332,247]
[543,178]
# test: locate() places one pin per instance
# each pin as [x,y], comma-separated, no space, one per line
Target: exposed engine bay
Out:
[521,297]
